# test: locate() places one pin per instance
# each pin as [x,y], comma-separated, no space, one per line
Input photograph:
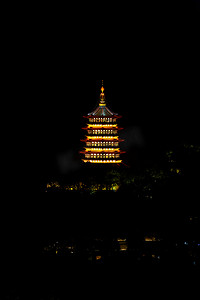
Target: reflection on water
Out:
[57,270]
[151,250]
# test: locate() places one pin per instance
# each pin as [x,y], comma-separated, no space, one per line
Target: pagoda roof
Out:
[102,111]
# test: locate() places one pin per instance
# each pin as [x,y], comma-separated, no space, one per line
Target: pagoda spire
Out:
[102,96]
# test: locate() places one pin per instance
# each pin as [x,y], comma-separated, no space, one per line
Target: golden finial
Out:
[102,89]
[102,96]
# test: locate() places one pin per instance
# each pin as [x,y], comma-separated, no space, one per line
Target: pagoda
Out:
[102,139]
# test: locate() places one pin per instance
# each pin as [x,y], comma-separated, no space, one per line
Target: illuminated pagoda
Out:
[102,139]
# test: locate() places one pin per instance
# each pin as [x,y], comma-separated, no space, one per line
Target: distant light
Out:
[150,239]
[123,248]
[98,257]
[121,240]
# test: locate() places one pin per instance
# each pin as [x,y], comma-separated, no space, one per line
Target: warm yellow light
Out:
[101,125]
[102,137]
[121,240]
[102,149]
[150,239]
[103,161]
[123,247]
[98,257]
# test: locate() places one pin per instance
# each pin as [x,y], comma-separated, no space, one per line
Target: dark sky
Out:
[153,80]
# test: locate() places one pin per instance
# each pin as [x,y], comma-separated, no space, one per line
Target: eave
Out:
[101,139]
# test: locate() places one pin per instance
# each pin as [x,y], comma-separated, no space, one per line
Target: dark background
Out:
[149,53]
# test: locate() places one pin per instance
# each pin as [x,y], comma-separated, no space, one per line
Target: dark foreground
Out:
[65,244]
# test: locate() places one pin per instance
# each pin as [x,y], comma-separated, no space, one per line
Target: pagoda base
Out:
[102,161]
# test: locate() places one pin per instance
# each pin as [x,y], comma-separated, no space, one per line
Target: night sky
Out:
[151,62]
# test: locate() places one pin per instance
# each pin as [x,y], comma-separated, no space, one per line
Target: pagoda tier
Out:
[102,150]
[102,131]
[97,161]
[108,127]
[102,141]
